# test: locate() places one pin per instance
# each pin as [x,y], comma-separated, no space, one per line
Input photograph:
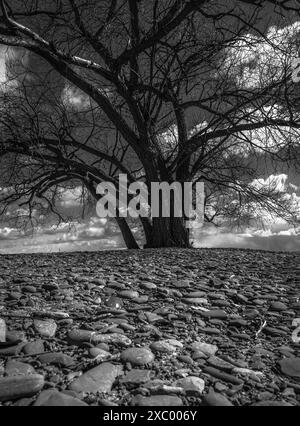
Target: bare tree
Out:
[153,67]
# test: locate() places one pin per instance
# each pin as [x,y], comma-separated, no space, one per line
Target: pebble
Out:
[20,386]
[137,356]
[214,399]
[148,286]
[46,328]
[53,398]
[99,354]
[195,301]
[2,330]
[156,401]
[129,294]
[57,358]
[78,337]
[222,376]
[220,364]
[278,307]
[15,336]
[290,367]
[272,404]
[136,377]
[34,348]
[98,379]
[113,338]
[166,346]
[15,368]
[215,314]
[114,302]
[193,386]
[205,348]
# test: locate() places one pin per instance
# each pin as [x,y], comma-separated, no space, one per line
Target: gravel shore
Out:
[150,328]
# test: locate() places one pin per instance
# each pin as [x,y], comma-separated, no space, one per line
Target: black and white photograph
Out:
[149,206]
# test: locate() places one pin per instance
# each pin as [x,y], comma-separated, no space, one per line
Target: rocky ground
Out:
[168,327]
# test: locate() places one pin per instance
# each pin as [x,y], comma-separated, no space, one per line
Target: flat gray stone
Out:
[98,379]
[46,328]
[15,368]
[137,356]
[278,307]
[193,386]
[53,398]
[57,358]
[78,337]
[129,294]
[272,404]
[195,301]
[2,330]
[34,348]
[205,348]
[156,401]
[214,399]
[16,387]
[290,367]
[166,346]
[136,377]
[215,314]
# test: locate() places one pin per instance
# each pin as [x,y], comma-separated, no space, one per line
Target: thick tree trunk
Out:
[148,230]
[169,232]
[127,234]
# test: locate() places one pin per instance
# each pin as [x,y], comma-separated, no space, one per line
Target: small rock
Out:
[152,317]
[214,399]
[15,368]
[16,387]
[114,302]
[34,348]
[57,358]
[278,307]
[148,286]
[156,401]
[112,338]
[228,378]
[15,336]
[193,386]
[272,404]
[98,379]
[50,286]
[290,367]
[99,354]
[195,301]
[2,330]
[205,348]
[215,314]
[78,337]
[220,364]
[129,294]
[53,398]
[136,377]
[30,289]
[137,356]
[46,328]
[166,346]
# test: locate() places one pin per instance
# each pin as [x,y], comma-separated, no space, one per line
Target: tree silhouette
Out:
[184,86]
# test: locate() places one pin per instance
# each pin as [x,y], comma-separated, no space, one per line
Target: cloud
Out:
[281,239]
[253,60]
